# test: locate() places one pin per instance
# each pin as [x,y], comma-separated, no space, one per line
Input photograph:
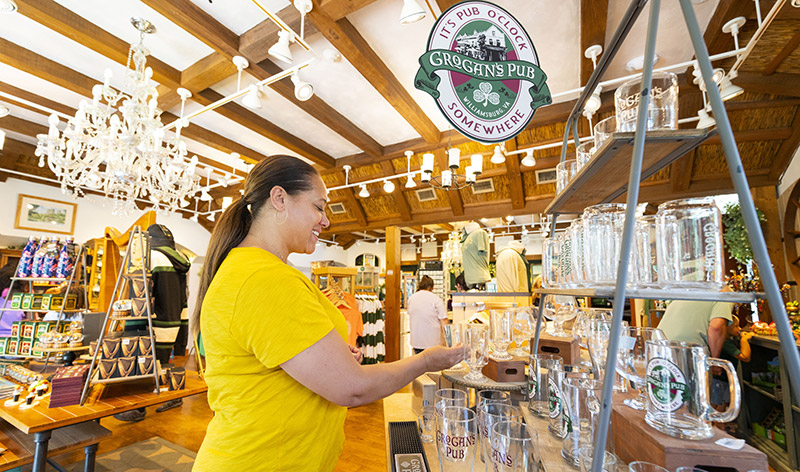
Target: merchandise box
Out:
[107,369]
[145,365]
[16,300]
[3,342]
[24,348]
[43,327]
[11,346]
[27,299]
[129,347]
[126,366]
[36,350]
[28,329]
[36,301]
[111,348]
[139,260]
[15,328]
[56,301]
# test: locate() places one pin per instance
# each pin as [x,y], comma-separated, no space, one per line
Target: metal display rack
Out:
[136,236]
[641,139]
[32,281]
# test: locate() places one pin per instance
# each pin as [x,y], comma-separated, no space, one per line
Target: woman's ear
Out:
[277,198]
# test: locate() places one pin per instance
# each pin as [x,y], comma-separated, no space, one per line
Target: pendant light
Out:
[253,98]
[705,120]
[280,50]
[411,12]
[302,89]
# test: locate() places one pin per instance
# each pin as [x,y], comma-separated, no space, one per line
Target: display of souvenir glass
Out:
[448,397]
[689,244]
[565,171]
[581,397]
[632,360]
[566,278]
[516,446]
[489,414]
[538,370]
[586,455]
[501,326]
[457,439]
[662,111]
[550,262]
[577,255]
[645,261]
[603,131]
[560,309]
[476,339]
[555,387]
[427,423]
[584,154]
[524,327]
[580,328]
[602,237]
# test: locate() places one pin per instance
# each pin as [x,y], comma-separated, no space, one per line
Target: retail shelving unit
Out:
[136,237]
[661,151]
[46,283]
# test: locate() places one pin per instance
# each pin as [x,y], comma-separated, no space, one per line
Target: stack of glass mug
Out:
[662,114]
[678,248]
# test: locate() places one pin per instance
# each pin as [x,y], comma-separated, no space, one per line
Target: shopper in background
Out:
[278,370]
[6,272]
[426,315]
[735,348]
[703,323]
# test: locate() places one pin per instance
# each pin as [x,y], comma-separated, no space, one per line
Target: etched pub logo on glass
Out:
[483,71]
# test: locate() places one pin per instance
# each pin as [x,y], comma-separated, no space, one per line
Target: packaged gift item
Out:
[126,366]
[145,346]
[138,307]
[43,327]
[50,261]
[3,342]
[137,285]
[15,328]
[111,348]
[38,258]
[66,258]
[24,348]
[107,368]
[16,300]
[36,302]
[26,259]
[93,348]
[27,299]
[139,260]
[129,347]
[145,365]
[11,346]
[121,308]
[28,329]
[177,378]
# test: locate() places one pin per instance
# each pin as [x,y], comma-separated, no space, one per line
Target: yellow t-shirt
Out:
[258,313]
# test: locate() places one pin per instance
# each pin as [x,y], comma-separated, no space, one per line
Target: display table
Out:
[117,398]
[456,376]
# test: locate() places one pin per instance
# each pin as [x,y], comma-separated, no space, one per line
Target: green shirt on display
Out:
[475,257]
[688,321]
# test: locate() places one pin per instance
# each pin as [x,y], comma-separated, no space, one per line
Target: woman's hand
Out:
[359,356]
[439,357]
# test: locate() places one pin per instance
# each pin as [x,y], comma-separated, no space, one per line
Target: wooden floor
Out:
[364,448]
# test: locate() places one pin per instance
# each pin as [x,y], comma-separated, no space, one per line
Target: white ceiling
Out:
[552,24]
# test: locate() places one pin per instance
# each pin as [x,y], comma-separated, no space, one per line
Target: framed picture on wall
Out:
[44,214]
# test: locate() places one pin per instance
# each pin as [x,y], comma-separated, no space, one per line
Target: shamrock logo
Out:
[485,94]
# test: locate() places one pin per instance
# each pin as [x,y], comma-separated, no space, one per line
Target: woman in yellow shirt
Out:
[279,371]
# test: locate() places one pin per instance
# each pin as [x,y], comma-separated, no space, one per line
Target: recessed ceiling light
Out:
[7,6]
[4,111]
[637,63]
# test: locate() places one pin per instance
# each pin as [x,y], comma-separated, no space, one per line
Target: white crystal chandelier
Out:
[116,143]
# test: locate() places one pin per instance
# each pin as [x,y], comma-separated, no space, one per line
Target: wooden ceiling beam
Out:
[35,98]
[338,9]
[746,136]
[715,39]
[205,28]
[515,185]
[355,207]
[774,84]
[344,37]
[18,125]
[681,173]
[456,203]
[399,196]
[594,16]
[787,149]
[235,112]
[781,56]
[737,105]
[67,23]
[199,76]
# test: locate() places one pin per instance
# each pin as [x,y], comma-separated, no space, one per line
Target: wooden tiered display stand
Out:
[335,276]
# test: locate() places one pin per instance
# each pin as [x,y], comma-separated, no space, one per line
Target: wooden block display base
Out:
[669,452]
[567,348]
[512,370]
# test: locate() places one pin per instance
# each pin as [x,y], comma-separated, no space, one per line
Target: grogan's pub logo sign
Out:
[483,71]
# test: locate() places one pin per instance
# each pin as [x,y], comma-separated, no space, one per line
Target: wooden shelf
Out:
[605,177]
[123,379]
[64,349]
[760,390]
[656,294]
[778,458]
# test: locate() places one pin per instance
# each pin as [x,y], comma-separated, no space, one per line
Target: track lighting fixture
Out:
[705,120]
[411,12]
[388,186]
[498,157]
[528,160]
[364,193]
[280,50]
[728,90]
[253,98]
[410,182]
[302,89]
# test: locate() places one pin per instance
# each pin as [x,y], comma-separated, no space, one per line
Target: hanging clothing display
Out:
[171,319]
[512,269]
[374,324]
[475,255]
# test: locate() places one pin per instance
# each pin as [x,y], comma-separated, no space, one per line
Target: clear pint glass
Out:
[550,261]
[689,244]
[565,171]
[645,261]
[514,448]
[539,367]
[603,131]
[662,111]
[457,439]
[575,234]
[581,398]
[602,237]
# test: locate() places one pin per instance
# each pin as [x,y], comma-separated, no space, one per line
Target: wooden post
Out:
[392,302]
[766,200]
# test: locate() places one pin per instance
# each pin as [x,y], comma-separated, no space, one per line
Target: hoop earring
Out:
[285,216]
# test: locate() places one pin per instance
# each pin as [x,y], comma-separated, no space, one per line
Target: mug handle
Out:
[735,393]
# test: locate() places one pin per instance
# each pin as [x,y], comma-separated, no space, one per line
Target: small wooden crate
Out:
[512,370]
[670,452]
[567,348]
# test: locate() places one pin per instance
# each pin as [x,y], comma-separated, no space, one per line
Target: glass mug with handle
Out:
[632,360]
[678,389]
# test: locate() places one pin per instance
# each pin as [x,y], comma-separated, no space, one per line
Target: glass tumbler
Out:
[476,339]
[586,455]
[645,261]
[490,414]
[515,448]
[538,370]
[501,327]
[577,256]
[427,423]
[602,237]
[550,262]
[565,171]
[584,154]
[457,439]
[581,399]
[445,397]
[662,111]
[566,278]
[555,388]
[603,131]
[689,244]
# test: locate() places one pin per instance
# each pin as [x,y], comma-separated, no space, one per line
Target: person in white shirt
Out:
[427,314]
